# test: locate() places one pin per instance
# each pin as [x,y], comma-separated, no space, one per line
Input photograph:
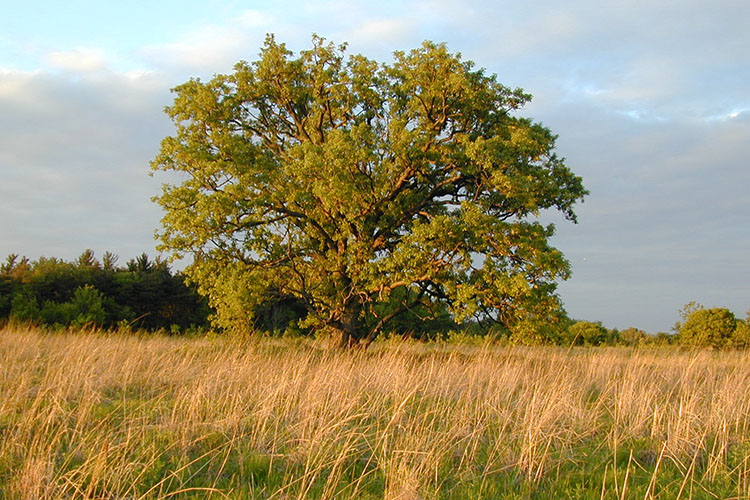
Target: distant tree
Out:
[587,333]
[9,264]
[551,331]
[7,289]
[345,183]
[109,261]
[631,336]
[426,320]
[156,297]
[661,339]
[741,334]
[140,264]
[279,314]
[88,260]
[88,307]
[16,268]
[703,327]
[54,280]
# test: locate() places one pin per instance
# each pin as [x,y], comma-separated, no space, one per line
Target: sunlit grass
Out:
[115,416]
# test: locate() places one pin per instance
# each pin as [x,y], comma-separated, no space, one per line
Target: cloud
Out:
[212,48]
[651,59]
[666,221]
[391,30]
[80,60]
[74,156]
[215,48]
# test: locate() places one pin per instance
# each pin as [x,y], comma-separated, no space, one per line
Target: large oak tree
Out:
[364,190]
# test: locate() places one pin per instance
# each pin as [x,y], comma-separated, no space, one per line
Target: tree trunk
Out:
[348,329]
[348,339]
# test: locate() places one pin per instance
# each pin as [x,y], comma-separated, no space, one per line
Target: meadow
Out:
[96,415]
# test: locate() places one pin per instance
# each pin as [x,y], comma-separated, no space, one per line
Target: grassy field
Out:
[109,416]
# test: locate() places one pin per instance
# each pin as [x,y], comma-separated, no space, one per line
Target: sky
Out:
[650,100]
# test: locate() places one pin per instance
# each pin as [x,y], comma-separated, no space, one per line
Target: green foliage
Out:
[741,335]
[703,327]
[661,339]
[24,306]
[425,320]
[365,191]
[15,268]
[631,336]
[8,287]
[587,333]
[85,308]
[145,294]
[280,314]
[538,331]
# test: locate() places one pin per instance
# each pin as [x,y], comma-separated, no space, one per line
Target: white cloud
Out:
[79,60]
[212,48]
[393,30]
[255,19]
[13,82]
[659,59]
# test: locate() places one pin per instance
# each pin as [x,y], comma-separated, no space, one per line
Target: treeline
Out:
[146,294]
[142,294]
[699,326]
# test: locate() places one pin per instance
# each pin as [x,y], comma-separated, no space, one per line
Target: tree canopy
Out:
[714,327]
[364,191]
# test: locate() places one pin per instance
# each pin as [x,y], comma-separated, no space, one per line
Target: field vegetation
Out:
[95,415]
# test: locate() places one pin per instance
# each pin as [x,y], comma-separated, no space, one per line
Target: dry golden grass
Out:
[93,415]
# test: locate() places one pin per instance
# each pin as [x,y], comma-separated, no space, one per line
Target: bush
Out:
[706,327]
[741,335]
[587,333]
[24,306]
[535,333]
[631,336]
[85,308]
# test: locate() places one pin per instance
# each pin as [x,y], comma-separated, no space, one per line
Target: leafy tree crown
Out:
[346,183]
